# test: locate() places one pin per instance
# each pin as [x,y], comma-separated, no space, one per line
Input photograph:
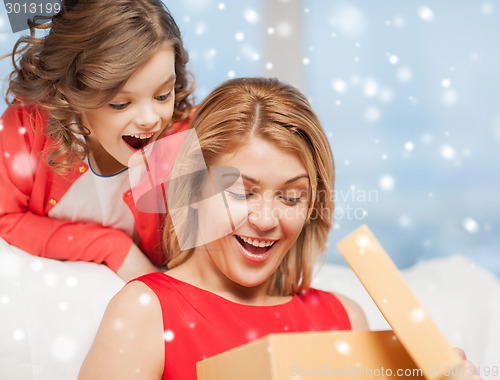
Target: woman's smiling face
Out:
[274,192]
[136,116]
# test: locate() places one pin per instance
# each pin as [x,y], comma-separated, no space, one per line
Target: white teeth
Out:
[143,137]
[257,243]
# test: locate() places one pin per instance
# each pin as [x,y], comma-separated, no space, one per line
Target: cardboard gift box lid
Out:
[414,343]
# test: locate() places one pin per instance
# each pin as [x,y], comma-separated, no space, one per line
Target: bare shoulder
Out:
[355,313]
[130,338]
[137,299]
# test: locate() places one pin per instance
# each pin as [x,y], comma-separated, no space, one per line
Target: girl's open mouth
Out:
[253,249]
[138,141]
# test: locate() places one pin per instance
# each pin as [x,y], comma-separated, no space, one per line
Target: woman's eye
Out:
[292,201]
[119,106]
[238,196]
[162,98]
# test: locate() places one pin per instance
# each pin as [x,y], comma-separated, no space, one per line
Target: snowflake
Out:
[200,29]
[251,16]
[426,14]
[370,88]
[50,279]
[343,347]
[239,36]
[418,315]
[446,83]
[393,59]
[169,335]
[10,266]
[144,299]
[487,8]
[409,146]
[372,114]
[399,22]
[63,348]
[349,20]
[404,74]
[470,225]
[427,138]
[18,335]
[252,335]
[284,29]
[404,221]
[386,95]
[386,182]
[447,152]
[36,265]
[71,281]
[449,97]
[339,85]
[24,165]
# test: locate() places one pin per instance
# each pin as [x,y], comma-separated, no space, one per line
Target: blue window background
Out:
[408,94]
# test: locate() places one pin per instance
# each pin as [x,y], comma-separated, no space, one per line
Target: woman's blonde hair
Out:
[93,47]
[256,107]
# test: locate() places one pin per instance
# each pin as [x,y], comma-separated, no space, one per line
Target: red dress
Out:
[199,324]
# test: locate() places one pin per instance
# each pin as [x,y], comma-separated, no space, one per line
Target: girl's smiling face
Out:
[275,188]
[136,116]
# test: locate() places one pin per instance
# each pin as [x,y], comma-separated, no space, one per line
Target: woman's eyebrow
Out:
[296,178]
[291,180]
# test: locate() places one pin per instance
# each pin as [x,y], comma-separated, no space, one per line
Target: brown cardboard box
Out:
[336,354]
[414,348]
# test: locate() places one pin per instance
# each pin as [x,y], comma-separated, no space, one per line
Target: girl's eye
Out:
[162,98]
[119,106]
[238,196]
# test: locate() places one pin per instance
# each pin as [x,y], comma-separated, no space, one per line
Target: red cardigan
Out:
[29,188]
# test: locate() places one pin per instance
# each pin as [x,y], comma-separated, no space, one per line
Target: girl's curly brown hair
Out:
[93,47]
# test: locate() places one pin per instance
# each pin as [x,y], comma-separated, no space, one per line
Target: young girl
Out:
[269,159]
[109,79]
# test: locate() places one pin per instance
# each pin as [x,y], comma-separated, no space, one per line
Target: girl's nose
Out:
[147,116]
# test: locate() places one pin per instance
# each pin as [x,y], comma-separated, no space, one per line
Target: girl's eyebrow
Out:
[170,79]
[257,182]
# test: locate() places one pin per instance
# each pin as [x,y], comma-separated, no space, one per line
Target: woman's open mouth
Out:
[256,250]
[138,141]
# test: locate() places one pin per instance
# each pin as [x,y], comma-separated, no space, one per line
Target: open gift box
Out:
[415,348]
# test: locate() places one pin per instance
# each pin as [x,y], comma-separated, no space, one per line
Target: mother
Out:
[268,158]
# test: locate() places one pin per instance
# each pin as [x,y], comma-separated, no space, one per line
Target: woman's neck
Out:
[199,273]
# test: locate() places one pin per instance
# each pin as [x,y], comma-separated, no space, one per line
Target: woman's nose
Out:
[263,215]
